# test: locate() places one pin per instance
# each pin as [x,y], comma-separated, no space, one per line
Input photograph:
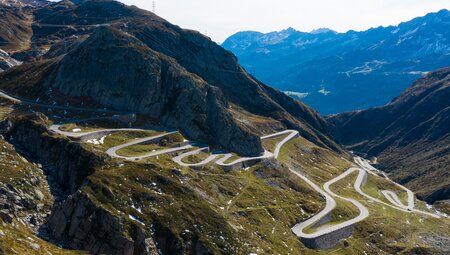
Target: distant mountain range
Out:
[336,72]
[410,135]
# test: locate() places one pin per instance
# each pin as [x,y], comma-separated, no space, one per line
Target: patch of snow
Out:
[135,219]
[367,68]
[410,32]
[136,208]
[299,95]
[417,73]
[301,42]
[97,142]
[324,92]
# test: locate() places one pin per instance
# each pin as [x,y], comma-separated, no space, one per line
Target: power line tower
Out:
[154,7]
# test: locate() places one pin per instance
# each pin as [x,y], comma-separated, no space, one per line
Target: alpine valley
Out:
[121,133]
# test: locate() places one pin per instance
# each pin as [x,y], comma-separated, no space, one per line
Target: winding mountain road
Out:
[392,196]
[243,162]
[331,204]
[363,168]
[219,159]
[299,229]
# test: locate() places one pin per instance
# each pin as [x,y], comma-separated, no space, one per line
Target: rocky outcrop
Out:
[83,225]
[14,201]
[72,162]
[152,84]
[77,222]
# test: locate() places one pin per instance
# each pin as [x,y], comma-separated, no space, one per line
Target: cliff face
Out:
[219,67]
[409,135]
[72,163]
[77,221]
[84,225]
[146,82]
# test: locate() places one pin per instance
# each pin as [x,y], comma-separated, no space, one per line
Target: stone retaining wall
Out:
[328,240]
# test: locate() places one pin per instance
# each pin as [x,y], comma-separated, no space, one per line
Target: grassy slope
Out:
[18,239]
[122,137]
[270,143]
[386,230]
[390,230]
[145,148]
[251,211]
[260,204]
[255,208]
[192,159]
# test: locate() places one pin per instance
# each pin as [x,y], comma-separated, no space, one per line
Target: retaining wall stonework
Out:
[328,240]
[324,220]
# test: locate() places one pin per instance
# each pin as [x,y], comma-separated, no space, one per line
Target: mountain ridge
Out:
[371,66]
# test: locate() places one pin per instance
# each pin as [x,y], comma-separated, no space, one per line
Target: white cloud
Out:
[222,18]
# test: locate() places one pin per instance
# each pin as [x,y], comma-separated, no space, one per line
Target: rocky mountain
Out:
[123,134]
[409,136]
[328,68]
[179,77]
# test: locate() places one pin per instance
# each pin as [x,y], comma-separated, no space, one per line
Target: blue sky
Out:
[220,18]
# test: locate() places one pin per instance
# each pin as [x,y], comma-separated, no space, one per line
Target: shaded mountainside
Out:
[410,136]
[15,28]
[326,68]
[178,77]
